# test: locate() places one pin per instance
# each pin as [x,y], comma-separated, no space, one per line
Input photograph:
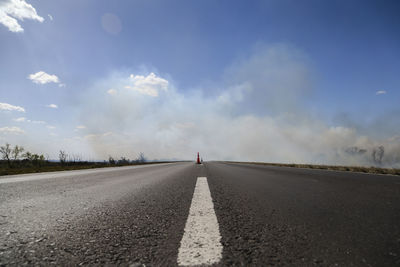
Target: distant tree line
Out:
[15,157]
[124,161]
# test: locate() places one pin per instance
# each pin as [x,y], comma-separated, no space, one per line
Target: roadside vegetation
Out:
[376,170]
[15,160]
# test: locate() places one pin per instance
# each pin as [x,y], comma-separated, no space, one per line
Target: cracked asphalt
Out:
[135,216]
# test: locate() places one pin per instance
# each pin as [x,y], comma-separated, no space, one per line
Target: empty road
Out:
[219,214]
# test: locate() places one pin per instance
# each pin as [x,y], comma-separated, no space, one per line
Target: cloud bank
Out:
[258,113]
[13,10]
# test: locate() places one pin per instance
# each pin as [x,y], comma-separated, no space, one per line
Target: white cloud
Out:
[50,127]
[112,91]
[148,85]
[13,10]
[50,17]
[62,85]
[21,119]
[80,127]
[9,107]
[37,122]
[42,77]
[52,106]
[11,130]
[381,92]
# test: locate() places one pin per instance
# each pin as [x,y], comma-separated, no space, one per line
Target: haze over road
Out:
[139,215]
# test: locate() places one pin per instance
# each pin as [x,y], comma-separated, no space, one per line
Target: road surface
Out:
[216,213]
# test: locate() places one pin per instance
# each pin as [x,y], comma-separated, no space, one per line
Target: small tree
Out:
[141,158]
[76,158]
[111,160]
[35,159]
[63,157]
[28,156]
[40,159]
[17,152]
[6,153]
[123,161]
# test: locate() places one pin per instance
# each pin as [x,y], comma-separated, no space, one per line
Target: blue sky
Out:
[291,63]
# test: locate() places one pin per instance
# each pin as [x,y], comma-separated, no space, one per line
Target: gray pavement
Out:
[135,216]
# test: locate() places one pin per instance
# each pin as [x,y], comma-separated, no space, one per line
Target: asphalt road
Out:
[135,216]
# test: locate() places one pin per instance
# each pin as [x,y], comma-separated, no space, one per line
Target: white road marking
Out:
[61,174]
[200,244]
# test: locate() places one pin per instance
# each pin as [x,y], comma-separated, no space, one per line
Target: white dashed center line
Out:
[201,241]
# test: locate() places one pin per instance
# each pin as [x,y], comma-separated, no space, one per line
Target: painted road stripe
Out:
[201,241]
[63,174]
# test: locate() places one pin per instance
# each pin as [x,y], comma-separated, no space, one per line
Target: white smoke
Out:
[259,115]
[258,112]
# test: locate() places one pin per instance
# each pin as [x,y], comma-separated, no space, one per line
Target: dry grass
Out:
[375,170]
